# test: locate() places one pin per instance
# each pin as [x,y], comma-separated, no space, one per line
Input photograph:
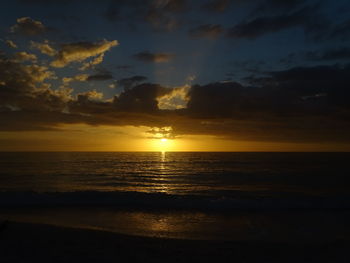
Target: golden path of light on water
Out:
[161,186]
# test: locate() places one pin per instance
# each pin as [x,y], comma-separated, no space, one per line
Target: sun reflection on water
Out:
[162,186]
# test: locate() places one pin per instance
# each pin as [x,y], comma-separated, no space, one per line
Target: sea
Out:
[284,197]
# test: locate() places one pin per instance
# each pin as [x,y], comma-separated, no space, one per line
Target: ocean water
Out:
[277,196]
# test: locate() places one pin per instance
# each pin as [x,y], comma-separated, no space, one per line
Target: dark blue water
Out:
[187,176]
[188,195]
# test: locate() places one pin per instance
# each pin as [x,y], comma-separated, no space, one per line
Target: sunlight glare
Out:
[163,145]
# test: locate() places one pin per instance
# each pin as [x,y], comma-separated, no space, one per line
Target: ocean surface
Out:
[277,196]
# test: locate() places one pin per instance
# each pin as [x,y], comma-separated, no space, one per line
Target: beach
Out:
[26,242]
[174,207]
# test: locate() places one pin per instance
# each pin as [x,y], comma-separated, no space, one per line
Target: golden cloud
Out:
[95,61]
[90,95]
[81,77]
[176,99]
[44,48]
[80,51]
[11,44]
[24,56]
[28,27]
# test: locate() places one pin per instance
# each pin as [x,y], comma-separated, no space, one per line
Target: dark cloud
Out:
[46,1]
[216,5]
[118,10]
[154,57]
[141,98]
[24,87]
[128,83]
[249,66]
[305,18]
[310,81]
[131,105]
[276,6]
[124,67]
[300,104]
[264,25]
[35,120]
[290,59]
[216,100]
[99,77]
[161,21]
[171,5]
[160,14]
[328,55]
[340,31]
[208,31]
[260,7]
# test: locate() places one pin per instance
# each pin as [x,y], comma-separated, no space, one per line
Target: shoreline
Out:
[29,242]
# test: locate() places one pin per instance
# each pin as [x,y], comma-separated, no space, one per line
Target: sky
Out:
[175,75]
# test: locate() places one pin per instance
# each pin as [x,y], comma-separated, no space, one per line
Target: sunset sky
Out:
[175,75]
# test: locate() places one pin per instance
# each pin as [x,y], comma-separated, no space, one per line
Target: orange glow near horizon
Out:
[136,139]
[164,145]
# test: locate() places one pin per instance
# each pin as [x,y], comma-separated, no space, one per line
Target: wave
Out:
[137,200]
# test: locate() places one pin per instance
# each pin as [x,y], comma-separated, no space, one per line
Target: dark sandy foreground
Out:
[24,242]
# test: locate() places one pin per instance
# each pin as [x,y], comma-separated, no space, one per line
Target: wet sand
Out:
[26,242]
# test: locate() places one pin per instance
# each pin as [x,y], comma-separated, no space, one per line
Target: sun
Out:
[163,144]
